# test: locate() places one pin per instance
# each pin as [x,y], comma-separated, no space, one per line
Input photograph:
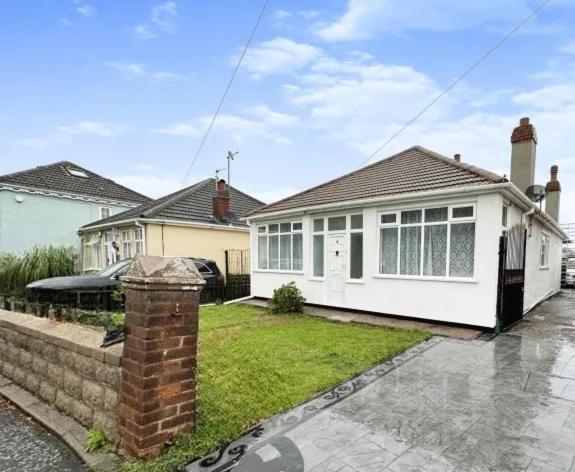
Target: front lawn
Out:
[253,365]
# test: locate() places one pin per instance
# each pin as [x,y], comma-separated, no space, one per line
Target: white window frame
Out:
[104,209]
[139,241]
[126,243]
[449,222]
[545,242]
[94,263]
[266,233]
[323,233]
[348,236]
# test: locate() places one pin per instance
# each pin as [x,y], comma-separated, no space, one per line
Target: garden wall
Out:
[63,364]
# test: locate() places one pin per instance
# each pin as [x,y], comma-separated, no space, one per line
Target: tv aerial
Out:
[218,173]
[230,158]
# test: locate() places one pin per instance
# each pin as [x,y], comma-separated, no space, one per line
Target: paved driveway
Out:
[507,404]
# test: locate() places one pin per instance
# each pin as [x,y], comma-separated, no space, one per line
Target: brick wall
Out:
[63,365]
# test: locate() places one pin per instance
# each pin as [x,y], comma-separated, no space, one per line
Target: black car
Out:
[95,290]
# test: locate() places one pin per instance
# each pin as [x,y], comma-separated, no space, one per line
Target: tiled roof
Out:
[414,170]
[193,204]
[57,178]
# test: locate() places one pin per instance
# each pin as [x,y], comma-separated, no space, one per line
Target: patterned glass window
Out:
[432,242]
[462,250]
[388,251]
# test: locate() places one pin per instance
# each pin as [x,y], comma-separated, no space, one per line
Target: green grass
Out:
[253,365]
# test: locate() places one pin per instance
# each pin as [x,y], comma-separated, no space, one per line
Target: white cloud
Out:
[180,129]
[259,122]
[143,32]
[282,15]
[162,19]
[366,18]
[568,48]
[164,16]
[279,55]
[552,97]
[150,184]
[134,72]
[84,9]
[67,133]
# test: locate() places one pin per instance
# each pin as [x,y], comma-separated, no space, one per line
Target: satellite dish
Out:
[536,193]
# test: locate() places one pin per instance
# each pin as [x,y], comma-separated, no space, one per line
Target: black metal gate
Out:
[511,277]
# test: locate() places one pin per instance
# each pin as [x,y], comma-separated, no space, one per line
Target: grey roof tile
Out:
[56,178]
[414,170]
[192,204]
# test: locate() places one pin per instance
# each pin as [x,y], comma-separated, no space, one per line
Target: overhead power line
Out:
[227,89]
[456,81]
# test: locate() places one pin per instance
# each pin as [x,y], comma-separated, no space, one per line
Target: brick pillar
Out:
[157,396]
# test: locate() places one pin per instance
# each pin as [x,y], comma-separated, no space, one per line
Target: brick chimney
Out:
[457,157]
[221,200]
[553,188]
[523,154]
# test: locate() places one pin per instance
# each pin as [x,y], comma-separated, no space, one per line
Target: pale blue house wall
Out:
[44,220]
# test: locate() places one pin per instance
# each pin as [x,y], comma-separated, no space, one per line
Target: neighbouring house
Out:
[46,205]
[202,220]
[418,235]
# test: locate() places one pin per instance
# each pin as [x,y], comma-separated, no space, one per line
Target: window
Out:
[92,259]
[280,247]
[337,223]
[110,245]
[356,247]
[105,212]
[138,241]
[504,217]
[126,243]
[77,172]
[202,268]
[544,258]
[430,242]
[318,247]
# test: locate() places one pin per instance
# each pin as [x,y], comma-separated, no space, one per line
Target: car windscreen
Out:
[571,265]
[114,268]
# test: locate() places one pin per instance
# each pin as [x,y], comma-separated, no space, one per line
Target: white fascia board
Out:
[368,202]
[70,196]
[509,189]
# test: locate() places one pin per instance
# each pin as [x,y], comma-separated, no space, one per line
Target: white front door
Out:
[336,268]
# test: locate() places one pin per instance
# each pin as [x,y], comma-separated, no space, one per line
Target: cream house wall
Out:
[192,241]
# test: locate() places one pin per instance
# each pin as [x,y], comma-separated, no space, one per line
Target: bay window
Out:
[126,243]
[139,241]
[280,247]
[430,242]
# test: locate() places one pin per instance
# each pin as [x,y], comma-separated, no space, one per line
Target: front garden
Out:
[253,364]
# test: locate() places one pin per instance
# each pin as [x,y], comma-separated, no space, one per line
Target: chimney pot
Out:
[523,154]
[553,188]
[221,185]
[457,157]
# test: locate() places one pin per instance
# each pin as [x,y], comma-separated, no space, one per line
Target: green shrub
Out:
[96,318]
[17,271]
[287,299]
[96,441]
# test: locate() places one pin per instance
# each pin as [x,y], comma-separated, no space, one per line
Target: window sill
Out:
[278,271]
[355,281]
[544,267]
[317,279]
[426,279]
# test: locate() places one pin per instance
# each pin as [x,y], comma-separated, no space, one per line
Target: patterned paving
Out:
[506,404]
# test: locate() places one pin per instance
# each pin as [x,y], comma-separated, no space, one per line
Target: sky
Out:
[127,89]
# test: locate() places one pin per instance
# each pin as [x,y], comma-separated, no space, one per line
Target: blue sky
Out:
[127,88]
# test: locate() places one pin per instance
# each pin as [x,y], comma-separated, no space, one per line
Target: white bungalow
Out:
[417,235]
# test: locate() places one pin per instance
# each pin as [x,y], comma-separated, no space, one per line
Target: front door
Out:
[336,268]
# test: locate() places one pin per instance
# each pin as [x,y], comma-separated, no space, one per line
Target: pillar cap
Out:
[163,273]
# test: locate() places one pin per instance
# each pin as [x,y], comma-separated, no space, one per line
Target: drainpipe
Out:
[527,214]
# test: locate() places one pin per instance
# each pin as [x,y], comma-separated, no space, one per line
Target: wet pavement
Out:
[25,446]
[504,404]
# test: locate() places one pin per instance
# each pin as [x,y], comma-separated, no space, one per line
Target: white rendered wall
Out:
[471,302]
[540,282]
